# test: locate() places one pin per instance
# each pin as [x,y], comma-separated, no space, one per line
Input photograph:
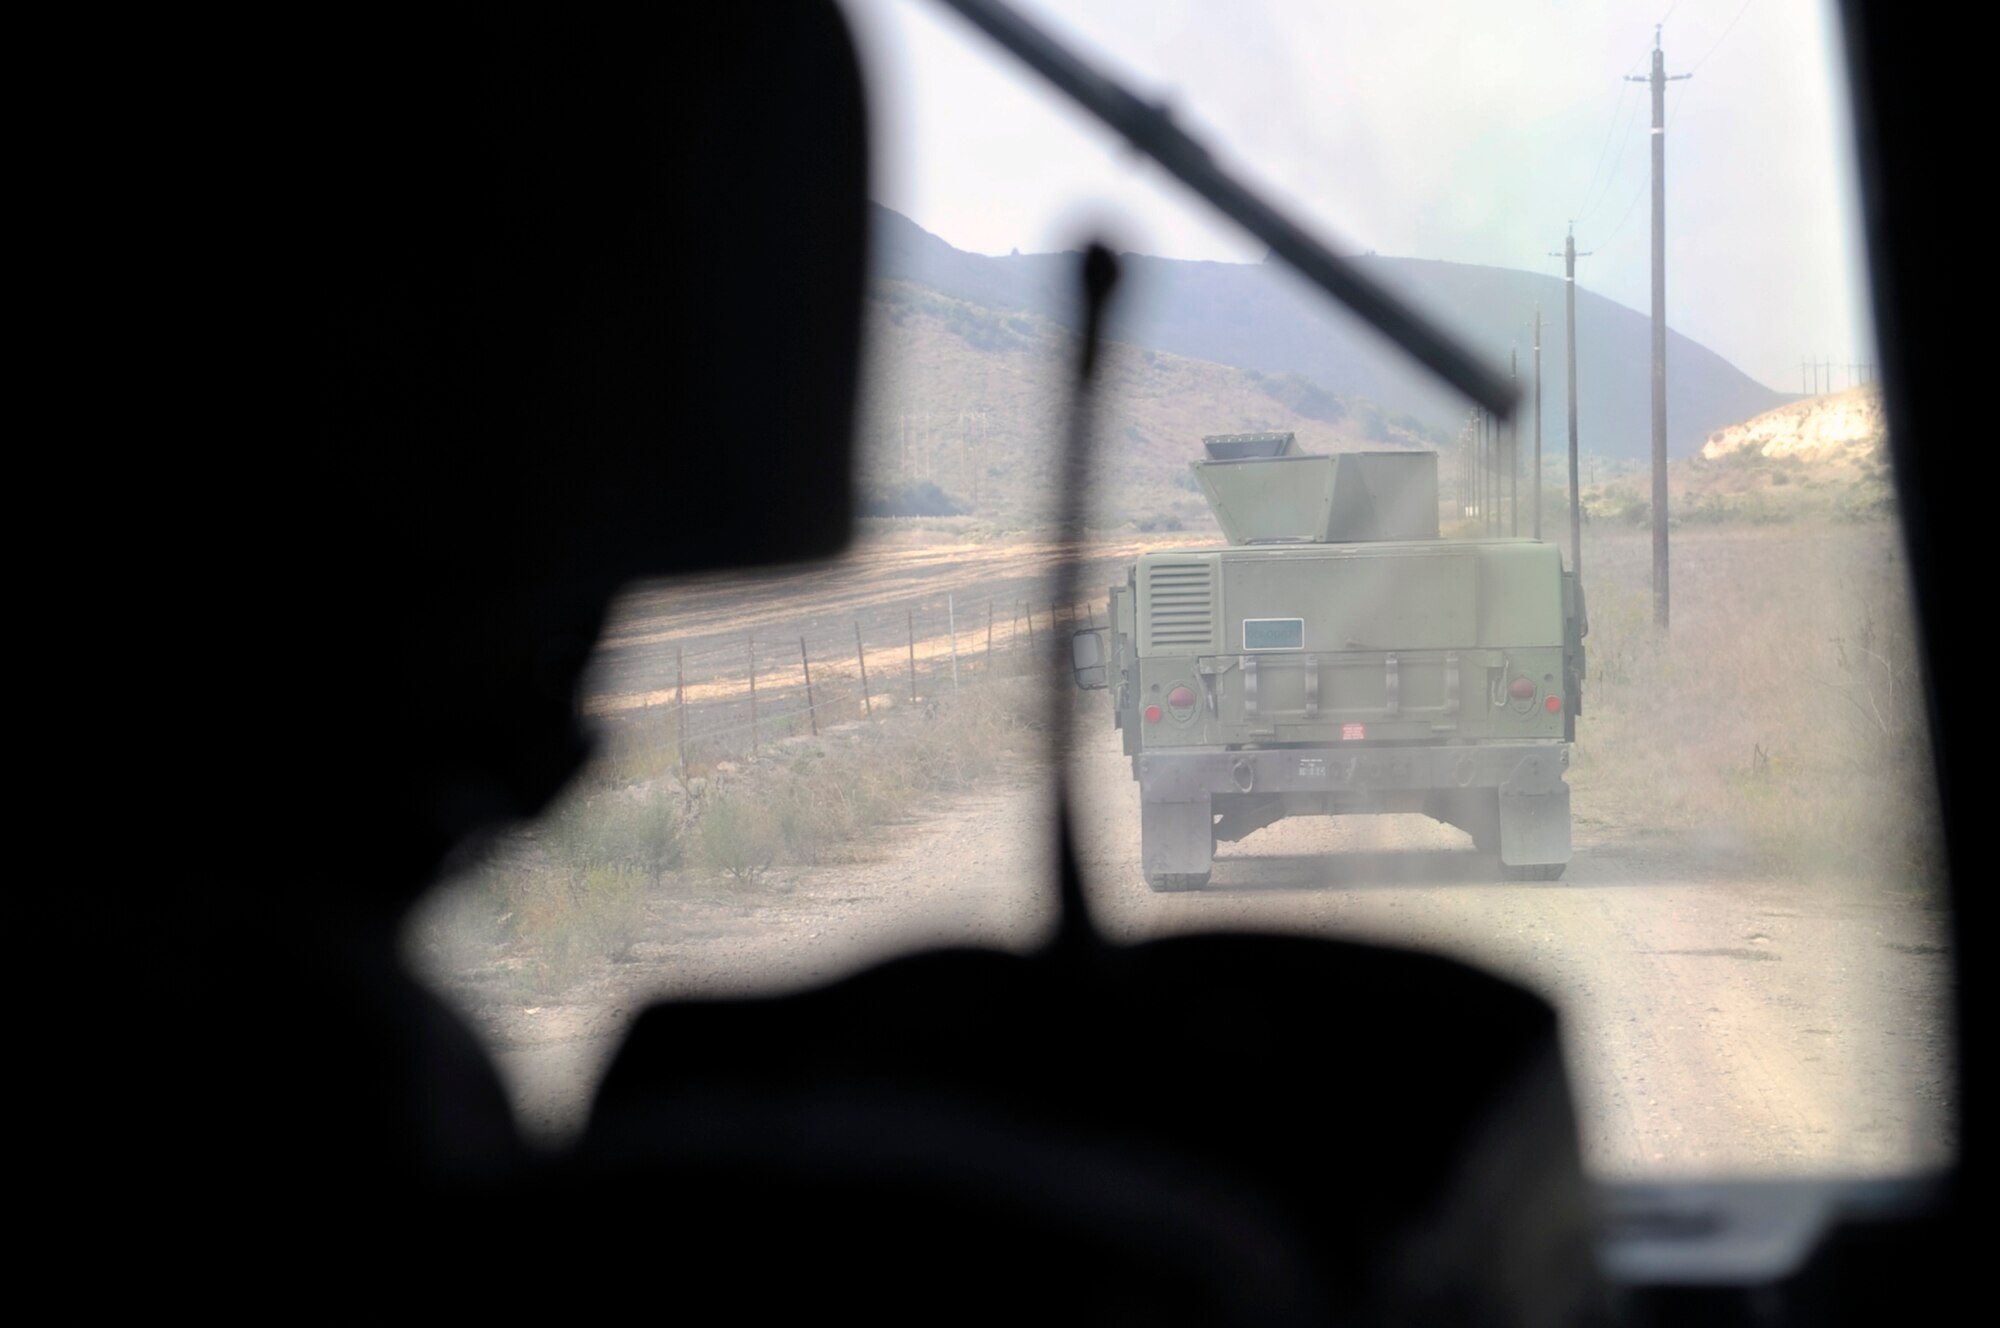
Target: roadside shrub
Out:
[737,838]
[610,903]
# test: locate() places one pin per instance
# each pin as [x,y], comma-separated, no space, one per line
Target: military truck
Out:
[1340,657]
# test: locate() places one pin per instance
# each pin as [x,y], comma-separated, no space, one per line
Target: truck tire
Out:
[1177,883]
[1534,871]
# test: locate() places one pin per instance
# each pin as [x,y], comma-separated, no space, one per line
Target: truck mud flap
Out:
[1177,839]
[1534,827]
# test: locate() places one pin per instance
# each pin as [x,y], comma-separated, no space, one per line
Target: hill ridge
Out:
[1263,317]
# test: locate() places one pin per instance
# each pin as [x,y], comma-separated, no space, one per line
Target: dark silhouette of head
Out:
[582,300]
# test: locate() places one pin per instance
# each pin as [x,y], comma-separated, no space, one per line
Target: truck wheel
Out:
[1177,883]
[1534,871]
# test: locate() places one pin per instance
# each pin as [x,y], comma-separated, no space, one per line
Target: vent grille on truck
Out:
[1180,599]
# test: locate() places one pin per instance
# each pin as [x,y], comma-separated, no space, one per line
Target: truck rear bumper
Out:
[1516,768]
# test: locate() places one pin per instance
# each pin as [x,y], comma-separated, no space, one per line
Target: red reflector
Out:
[1180,698]
[1553,704]
[1522,689]
[1152,714]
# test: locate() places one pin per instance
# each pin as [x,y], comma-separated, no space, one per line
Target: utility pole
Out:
[1569,255]
[1465,469]
[1495,457]
[1471,465]
[1538,421]
[1465,445]
[1479,451]
[1492,472]
[1513,450]
[1659,80]
[1479,462]
[1478,466]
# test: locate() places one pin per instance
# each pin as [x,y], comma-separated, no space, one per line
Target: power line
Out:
[1640,192]
[1744,9]
[1611,132]
[1680,95]
[1612,176]
[1584,213]
[1626,215]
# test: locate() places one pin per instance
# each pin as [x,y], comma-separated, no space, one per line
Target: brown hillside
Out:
[971,400]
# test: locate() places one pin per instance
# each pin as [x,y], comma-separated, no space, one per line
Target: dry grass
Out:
[555,899]
[546,905]
[1781,723]
[819,794]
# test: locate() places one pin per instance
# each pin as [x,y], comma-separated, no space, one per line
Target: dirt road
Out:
[1714,1022]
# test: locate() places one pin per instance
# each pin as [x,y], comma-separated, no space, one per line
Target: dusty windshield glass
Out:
[1353,672]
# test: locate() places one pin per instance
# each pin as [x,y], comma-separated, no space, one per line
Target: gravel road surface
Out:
[1715,1022]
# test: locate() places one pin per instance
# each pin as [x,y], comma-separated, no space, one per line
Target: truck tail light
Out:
[1553,705]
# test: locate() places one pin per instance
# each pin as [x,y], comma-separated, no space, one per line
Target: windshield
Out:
[1671,770]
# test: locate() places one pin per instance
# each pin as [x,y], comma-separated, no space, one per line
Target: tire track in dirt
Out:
[1713,1023]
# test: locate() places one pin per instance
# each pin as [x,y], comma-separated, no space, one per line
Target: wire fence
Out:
[717,697]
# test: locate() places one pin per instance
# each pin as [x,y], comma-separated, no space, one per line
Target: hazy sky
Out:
[1465,130]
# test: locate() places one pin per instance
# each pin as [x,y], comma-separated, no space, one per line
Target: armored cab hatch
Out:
[1264,490]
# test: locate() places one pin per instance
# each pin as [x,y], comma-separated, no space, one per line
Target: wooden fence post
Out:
[806,664]
[751,642]
[911,615]
[861,658]
[681,709]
